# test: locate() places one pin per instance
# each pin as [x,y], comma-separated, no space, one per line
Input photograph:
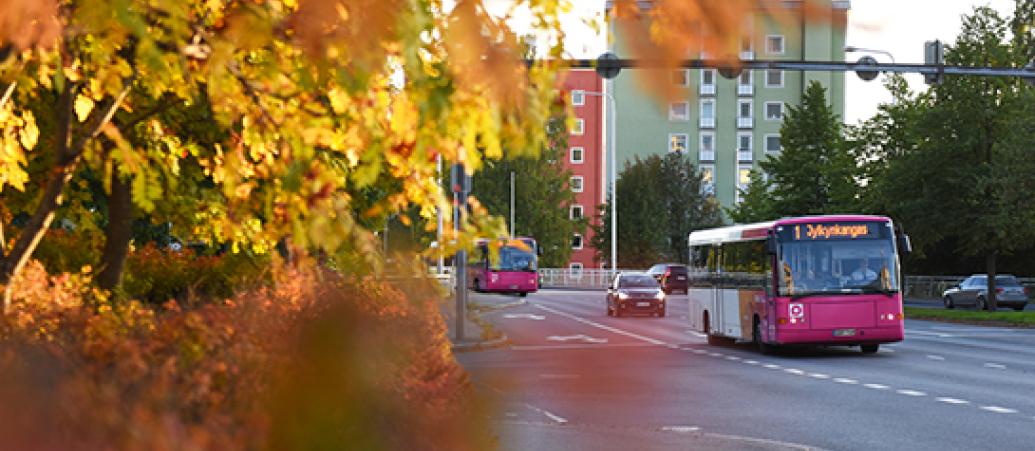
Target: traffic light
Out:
[934,55]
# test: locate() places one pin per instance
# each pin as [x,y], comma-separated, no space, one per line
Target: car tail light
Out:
[998,290]
[668,272]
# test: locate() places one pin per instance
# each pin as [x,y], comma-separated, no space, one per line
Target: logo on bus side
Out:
[797,311]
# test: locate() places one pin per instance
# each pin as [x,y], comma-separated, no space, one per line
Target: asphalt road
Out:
[574,378]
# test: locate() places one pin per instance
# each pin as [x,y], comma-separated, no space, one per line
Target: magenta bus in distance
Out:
[821,280]
[505,266]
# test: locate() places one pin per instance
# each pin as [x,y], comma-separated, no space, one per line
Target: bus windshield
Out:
[844,261]
[513,258]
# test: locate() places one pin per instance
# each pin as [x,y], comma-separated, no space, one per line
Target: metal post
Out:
[461,187]
[512,204]
[438,215]
[614,181]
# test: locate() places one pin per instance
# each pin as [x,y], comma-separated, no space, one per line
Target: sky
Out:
[899,27]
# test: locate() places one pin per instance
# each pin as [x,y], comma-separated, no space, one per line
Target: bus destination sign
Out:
[835,231]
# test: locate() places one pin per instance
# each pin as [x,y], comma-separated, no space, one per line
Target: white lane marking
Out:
[601,326]
[794,371]
[953,401]
[696,333]
[555,418]
[772,366]
[715,354]
[554,347]
[680,429]
[732,357]
[845,380]
[889,351]
[751,362]
[819,376]
[876,386]
[699,351]
[995,366]
[511,415]
[673,346]
[931,334]
[998,409]
[935,357]
[559,376]
[580,337]
[524,316]
[911,393]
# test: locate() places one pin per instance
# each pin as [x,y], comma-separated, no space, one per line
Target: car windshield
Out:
[637,282]
[828,267]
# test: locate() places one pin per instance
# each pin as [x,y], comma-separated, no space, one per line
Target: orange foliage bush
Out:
[317,361]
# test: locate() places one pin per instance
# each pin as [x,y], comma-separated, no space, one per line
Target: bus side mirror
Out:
[770,245]
[904,246]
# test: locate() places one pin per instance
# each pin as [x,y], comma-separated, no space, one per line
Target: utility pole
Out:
[438,215]
[512,204]
[461,185]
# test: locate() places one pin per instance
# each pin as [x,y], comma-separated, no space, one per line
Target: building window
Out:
[576,241]
[681,77]
[707,150]
[575,269]
[708,81]
[747,51]
[745,83]
[707,113]
[580,127]
[772,143]
[679,111]
[774,78]
[744,152]
[677,142]
[576,211]
[576,154]
[774,111]
[744,114]
[707,179]
[578,97]
[743,180]
[576,184]
[774,45]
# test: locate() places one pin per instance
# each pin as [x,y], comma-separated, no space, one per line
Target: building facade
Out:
[727,126]
[585,158]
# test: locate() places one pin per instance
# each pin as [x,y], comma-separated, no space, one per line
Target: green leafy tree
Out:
[542,196]
[958,168]
[659,203]
[814,174]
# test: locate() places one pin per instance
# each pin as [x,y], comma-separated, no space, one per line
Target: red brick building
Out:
[585,157]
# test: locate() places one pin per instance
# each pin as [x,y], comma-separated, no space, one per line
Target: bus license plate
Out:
[643,304]
[513,287]
[844,332]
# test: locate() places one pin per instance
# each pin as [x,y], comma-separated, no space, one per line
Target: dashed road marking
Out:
[819,376]
[696,333]
[751,362]
[888,351]
[772,366]
[699,351]
[681,429]
[935,357]
[931,334]
[911,393]
[953,401]
[524,316]
[794,371]
[559,376]
[555,418]
[845,380]
[995,366]
[733,358]
[715,354]
[600,326]
[673,346]
[580,337]
[876,386]
[998,409]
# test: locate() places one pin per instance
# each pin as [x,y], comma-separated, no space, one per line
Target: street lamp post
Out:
[614,198]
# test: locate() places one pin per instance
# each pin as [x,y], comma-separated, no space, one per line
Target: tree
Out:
[660,203]
[959,169]
[542,196]
[814,174]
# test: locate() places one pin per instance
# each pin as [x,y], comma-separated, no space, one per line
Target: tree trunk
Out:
[992,303]
[117,234]
[64,166]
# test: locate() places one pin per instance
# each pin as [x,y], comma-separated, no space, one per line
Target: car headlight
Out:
[623,295]
[660,295]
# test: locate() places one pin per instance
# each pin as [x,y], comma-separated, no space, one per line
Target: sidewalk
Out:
[478,334]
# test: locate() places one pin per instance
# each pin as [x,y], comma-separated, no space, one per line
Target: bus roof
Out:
[759,230]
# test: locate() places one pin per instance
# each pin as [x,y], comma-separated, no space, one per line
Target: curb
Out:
[481,345]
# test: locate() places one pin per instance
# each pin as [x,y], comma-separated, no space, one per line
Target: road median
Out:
[998,319]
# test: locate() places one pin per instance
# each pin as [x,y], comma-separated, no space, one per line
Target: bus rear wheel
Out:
[870,349]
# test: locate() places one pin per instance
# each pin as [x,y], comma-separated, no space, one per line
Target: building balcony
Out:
[707,122]
[745,155]
[707,155]
[745,122]
[707,90]
[745,90]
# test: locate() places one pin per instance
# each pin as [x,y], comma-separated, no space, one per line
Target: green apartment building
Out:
[728,126]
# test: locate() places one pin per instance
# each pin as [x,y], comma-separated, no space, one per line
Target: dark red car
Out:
[672,277]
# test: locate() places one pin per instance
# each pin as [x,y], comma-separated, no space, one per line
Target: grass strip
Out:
[1010,319]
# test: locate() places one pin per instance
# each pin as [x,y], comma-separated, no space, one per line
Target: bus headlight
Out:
[623,295]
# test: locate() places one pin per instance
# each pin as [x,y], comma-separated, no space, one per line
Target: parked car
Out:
[672,277]
[973,291]
[635,293]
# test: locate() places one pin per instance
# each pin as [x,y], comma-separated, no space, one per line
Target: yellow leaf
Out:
[83,106]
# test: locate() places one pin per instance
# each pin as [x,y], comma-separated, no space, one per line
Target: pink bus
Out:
[513,270]
[821,280]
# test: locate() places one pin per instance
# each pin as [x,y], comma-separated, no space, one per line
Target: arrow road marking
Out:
[555,418]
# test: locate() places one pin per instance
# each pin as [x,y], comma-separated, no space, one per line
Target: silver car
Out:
[973,291]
